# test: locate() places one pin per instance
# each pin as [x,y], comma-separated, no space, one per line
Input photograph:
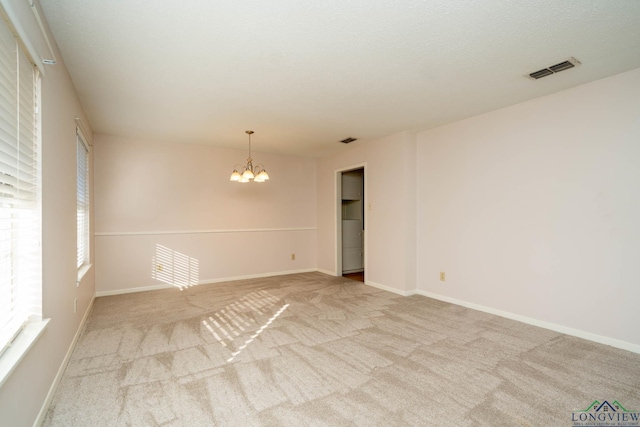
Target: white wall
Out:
[389,209]
[155,195]
[534,209]
[531,209]
[23,394]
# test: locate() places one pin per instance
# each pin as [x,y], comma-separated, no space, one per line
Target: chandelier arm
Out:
[250,173]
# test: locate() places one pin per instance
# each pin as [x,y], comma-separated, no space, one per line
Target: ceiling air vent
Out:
[541,73]
[561,66]
[564,65]
[348,140]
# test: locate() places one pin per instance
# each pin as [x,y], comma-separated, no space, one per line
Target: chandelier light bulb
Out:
[247,174]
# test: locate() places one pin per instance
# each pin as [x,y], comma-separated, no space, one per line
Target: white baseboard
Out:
[132,290]
[372,284]
[388,288]
[203,282]
[63,366]
[257,276]
[327,272]
[536,322]
[524,319]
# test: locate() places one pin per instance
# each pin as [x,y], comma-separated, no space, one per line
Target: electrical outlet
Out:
[293,257]
[159,267]
[442,276]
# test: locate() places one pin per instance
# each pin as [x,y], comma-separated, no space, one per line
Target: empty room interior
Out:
[330,213]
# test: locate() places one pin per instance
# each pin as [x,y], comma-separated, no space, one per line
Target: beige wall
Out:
[530,210]
[389,209]
[23,394]
[533,209]
[154,197]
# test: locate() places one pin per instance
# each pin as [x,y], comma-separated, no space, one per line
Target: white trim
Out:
[19,347]
[240,230]
[82,271]
[36,14]
[388,288]
[337,225]
[203,282]
[80,133]
[536,322]
[81,128]
[63,367]
[327,272]
[9,10]
[133,290]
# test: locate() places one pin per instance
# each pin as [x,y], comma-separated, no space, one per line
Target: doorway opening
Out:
[351,224]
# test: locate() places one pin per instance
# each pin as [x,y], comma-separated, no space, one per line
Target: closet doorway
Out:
[351,223]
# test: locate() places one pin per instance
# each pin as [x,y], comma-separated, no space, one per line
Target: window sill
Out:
[19,348]
[84,269]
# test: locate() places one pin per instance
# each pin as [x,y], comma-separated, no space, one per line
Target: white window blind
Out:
[83,200]
[20,258]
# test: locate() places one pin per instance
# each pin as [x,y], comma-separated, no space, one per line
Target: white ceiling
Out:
[304,75]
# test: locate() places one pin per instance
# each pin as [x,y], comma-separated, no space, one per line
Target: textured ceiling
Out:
[304,75]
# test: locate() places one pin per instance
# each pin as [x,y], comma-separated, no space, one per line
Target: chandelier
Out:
[250,173]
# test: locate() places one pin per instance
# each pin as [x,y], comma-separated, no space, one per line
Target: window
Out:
[20,254]
[83,200]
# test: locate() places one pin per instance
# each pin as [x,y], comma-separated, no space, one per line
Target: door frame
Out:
[338,215]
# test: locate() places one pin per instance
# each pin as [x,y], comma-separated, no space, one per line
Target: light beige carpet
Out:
[314,350]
